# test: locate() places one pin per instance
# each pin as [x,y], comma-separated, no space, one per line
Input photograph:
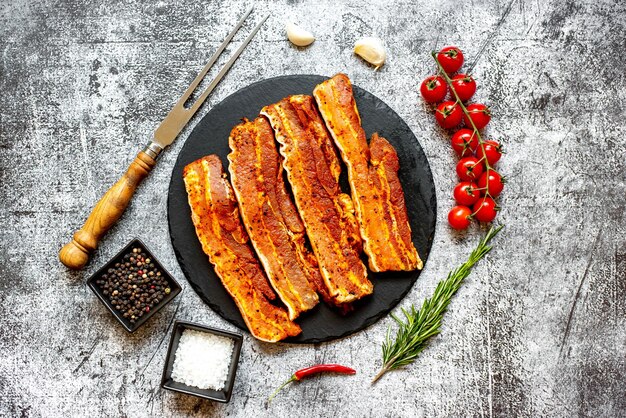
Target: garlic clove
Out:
[299,36]
[371,50]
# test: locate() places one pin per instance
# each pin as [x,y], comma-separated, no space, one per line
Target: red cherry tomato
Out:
[450,58]
[469,169]
[464,85]
[448,115]
[493,151]
[460,217]
[464,142]
[492,180]
[485,210]
[480,114]
[465,193]
[434,89]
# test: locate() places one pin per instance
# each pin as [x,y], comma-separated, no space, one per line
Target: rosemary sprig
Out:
[420,325]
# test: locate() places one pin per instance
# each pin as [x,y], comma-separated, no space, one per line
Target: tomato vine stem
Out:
[476,132]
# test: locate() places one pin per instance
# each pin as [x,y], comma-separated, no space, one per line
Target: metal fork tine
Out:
[178,117]
[214,58]
[226,67]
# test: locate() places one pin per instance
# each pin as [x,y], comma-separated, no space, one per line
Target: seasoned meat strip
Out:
[218,227]
[372,173]
[313,169]
[269,215]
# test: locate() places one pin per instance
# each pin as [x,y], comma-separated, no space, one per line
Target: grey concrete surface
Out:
[537,330]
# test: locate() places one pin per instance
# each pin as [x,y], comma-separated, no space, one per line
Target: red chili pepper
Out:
[309,371]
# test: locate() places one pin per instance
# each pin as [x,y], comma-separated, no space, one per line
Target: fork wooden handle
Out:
[105,214]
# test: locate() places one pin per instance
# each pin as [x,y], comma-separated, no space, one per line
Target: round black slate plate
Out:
[210,136]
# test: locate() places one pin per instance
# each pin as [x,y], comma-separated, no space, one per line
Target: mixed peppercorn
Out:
[134,285]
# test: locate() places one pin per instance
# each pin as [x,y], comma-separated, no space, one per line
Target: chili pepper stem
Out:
[293,378]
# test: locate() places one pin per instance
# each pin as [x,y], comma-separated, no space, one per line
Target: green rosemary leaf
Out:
[422,324]
[398,320]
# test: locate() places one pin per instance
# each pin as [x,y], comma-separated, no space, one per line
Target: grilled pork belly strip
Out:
[216,219]
[313,170]
[271,219]
[373,176]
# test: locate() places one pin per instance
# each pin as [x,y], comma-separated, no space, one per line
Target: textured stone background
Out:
[537,330]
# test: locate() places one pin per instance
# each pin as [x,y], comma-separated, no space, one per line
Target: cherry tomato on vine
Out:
[485,210]
[465,193]
[469,169]
[434,89]
[450,58]
[460,217]
[480,115]
[464,142]
[464,85]
[448,115]
[492,180]
[493,151]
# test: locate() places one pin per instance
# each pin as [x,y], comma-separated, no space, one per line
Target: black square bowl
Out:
[174,286]
[215,395]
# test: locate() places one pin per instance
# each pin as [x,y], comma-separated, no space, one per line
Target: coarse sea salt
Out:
[202,359]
